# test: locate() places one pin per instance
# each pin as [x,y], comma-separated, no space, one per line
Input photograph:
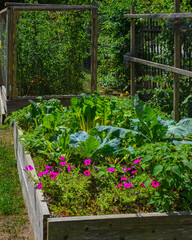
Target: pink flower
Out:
[61,158]
[87,161]
[119,185]
[28,168]
[149,171]
[137,160]
[124,178]
[43,173]
[134,171]
[63,164]
[87,173]
[111,170]
[53,174]
[69,168]
[142,185]
[46,166]
[39,186]
[155,184]
[126,169]
[128,185]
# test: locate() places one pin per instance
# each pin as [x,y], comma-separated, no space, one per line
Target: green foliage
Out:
[111,163]
[11,201]
[171,166]
[52,47]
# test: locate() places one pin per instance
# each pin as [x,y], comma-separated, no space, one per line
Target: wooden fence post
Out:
[15,19]
[1,29]
[177,57]
[10,54]
[132,51]
[94,42]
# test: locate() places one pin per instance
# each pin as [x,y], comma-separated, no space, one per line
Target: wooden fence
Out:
[8,50]
[176,69]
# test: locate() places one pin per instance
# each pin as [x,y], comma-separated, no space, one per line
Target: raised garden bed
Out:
[147,226]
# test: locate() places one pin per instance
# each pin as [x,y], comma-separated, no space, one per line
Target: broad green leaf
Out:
[176,170]
[187,163]
[157,169]
[100,173]
[147,183]
[116,131]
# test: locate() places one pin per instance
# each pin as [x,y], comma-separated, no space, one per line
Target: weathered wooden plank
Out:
[15,4]
[21,102]
[35,202]
[159,15]
[151,226]
[1,103]
[50,7]
[15,19]
[4,97]
[177,62]
[2,109]
[4,11]
[161,66]
[10,52]
[94,43]
[132,51]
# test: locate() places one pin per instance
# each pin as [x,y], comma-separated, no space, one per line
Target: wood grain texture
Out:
[161,66]
[21,102]
[159,15]
[94,43]
[50,7]
[177,62]
[37,208]
[15,19]
[152,226]
[4,97]
[4,11]
[132,51]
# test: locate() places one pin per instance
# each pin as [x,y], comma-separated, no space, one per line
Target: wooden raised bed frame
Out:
[148,226]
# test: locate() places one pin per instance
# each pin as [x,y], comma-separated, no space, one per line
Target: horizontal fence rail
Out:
[160,66]
[151,47]
[159,15]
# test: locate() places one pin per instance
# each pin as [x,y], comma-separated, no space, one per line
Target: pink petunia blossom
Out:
[46,166]
[111,170]
[61,158]
[119,185]
[28,168]
[137,160]
[87,161]
[155,184]
[43,173]
[127,185]
[63,164]
[69,168]
[142,185]
[39,186]
[53,174]
[149,171]
[124,178]
[86,173]
[134,171]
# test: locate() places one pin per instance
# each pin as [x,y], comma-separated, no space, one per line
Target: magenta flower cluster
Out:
[133,171]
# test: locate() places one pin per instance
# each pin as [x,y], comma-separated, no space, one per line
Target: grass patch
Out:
[13,216]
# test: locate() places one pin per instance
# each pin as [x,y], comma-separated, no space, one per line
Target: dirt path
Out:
[15,227]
